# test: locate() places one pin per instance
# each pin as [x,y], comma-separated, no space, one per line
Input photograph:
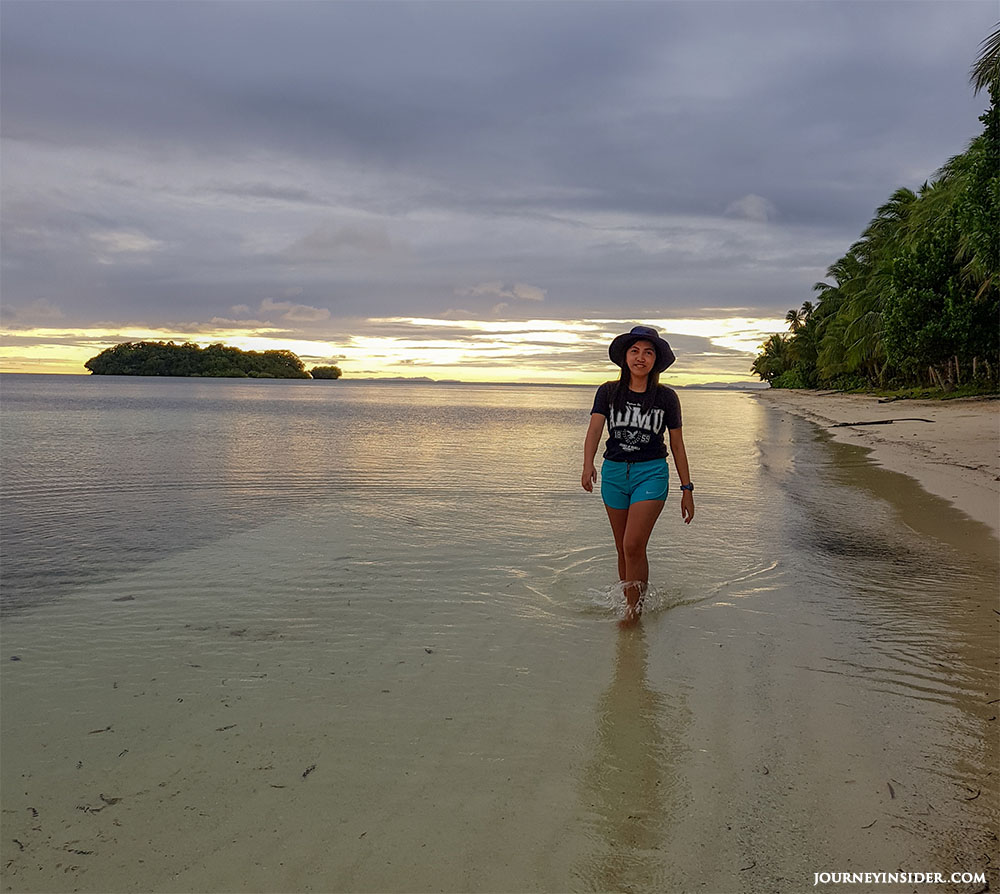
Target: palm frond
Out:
[985,71]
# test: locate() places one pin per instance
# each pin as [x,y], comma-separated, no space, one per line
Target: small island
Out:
[325,372]
[159,358]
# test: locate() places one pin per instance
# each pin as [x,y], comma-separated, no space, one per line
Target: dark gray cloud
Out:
[166,161]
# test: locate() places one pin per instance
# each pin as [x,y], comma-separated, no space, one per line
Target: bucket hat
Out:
[619,347]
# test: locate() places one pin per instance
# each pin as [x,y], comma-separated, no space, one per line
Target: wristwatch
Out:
[689,486]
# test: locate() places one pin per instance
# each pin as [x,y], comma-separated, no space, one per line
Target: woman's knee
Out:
[634,548]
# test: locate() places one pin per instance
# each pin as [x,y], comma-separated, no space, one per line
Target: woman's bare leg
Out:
[619,521]
[632,528]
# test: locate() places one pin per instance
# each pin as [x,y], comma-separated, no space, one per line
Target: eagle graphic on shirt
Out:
[633,428]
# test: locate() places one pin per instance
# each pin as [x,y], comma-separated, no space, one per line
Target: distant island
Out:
[326,372]
[165,358]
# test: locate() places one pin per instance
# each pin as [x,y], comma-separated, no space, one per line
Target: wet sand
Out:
[955,453]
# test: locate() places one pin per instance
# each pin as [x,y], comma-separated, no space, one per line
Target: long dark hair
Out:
[619,390]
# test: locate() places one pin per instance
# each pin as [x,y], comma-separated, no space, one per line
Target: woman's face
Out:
[641,358]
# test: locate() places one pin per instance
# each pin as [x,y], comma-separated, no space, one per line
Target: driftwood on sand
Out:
[879,422]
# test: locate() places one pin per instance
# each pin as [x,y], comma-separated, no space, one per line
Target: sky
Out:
[482,191]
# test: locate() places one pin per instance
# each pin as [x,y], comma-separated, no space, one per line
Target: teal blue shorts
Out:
[623,484]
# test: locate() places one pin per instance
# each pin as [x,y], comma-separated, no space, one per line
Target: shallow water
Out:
[334,637]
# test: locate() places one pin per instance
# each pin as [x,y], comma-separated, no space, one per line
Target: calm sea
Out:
[336,636]
[105,474]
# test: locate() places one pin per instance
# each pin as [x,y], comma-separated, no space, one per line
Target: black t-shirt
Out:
[635,436]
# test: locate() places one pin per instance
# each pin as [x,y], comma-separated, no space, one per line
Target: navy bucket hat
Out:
[619,347]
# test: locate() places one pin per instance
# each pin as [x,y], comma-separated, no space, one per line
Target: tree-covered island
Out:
[159,358]
[326,372]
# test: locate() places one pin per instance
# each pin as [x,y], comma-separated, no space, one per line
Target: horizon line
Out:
[747,385]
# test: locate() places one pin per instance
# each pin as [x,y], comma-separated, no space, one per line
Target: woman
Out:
[637,410]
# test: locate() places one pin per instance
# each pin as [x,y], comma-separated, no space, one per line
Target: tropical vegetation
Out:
[158,358]
[915,301]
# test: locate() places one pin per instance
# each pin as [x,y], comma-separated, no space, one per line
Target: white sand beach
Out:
[951,447]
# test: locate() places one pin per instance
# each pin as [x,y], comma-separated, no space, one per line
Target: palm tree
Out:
[856,317]
[963,192]
[985,74]
[774,359]
[864,318]
[969,182]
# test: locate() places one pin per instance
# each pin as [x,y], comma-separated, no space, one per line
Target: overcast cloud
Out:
[306,170]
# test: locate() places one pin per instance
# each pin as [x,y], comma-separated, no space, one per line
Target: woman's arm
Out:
[683,472]
[590,445]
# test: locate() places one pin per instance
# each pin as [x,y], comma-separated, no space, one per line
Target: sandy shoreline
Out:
[955,454]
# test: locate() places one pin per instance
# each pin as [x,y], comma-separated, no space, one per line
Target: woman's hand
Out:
[589,477]
[687,506]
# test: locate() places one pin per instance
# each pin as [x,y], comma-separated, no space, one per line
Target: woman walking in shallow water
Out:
[634,481]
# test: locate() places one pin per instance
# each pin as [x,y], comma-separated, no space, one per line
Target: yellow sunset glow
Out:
[737,333]
[543,351]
